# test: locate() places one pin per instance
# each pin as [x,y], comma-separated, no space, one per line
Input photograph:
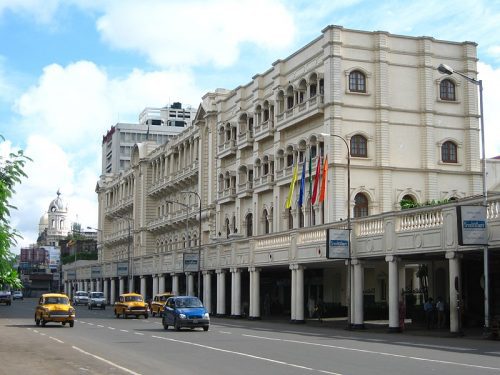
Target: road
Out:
[101,344]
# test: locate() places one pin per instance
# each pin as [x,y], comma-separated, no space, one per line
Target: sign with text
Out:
[190,262]
[122,269]
[95,272]
[472,228]
[337,244]
[71,274]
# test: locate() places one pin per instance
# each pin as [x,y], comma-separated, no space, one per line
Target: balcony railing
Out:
[264,130]
[300,112]
[227,148]
[245,139]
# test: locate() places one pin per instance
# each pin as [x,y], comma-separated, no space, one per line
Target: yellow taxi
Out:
[54,307]
[158,302]
[131,304]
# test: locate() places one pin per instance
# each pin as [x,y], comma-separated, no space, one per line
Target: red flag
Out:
[323,180]
[317,177]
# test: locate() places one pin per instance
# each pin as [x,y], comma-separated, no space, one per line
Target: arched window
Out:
[407,202]
[447,90]
[266,222]
[359,146]
[249,224]
[449,152]
[290,218]
[360,205]
[301,218]
[234,224]
[228,229]
[357,81]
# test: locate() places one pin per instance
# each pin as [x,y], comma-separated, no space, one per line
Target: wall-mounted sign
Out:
[337,244]
[71,274]
[122,269]
[190,262]
[95,272]
[472,228]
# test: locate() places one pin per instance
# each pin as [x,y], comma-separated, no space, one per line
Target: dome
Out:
[44,220]
[57,204]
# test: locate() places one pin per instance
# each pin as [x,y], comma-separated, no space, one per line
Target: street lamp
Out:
[349,312]
[445,69]
[199,240]
[130,274]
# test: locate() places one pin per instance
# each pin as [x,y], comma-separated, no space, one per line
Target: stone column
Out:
[131,286]
[190,283]
[454,272]
[106,291]
[161,284]
[299,294]
[143,286]
[221,292]
[293,312]
[236,292]
[112,295]
[121,287]
[92,285]
[392,263]
[255,293]
[175,284]
[358,294]
[207,290]
[155,285]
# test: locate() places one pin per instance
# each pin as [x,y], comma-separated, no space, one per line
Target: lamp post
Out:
[130,273]
[199,241]
[349,312]
[445,69]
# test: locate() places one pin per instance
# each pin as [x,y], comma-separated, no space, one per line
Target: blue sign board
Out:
[337,244]
[472,226]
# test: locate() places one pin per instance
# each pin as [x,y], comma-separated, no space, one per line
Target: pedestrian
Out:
[429,313]
[311,304]
[440,307]
[319,310]
[402,315]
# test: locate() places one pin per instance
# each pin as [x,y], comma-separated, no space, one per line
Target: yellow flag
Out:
[288,202]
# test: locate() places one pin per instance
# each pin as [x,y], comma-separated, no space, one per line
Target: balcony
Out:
[120,206]
[300,112]
[264,183]
[163,184]
[226,149]
[264,130]
[227,195]
[245,140]
[284,175]
[245,189]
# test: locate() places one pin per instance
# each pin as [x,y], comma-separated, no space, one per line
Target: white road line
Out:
[106,361]
[36,331]
[393,355]
[225,332]
[434,346]
[123,330]
[138,333]
[59,341]
[245,355]
[111,328]
[42,334]
[90,324]
[100,326]
[261,337]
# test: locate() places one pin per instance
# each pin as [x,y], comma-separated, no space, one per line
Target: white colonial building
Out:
[391,127]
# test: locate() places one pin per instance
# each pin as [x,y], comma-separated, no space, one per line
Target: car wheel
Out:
[146,316]
[104,307]
[177,325]
[63,323]
[165,325]
[90,308]
[43,322]
[71,324]
[37,321]
[205,328]
[153,314]
[116,314]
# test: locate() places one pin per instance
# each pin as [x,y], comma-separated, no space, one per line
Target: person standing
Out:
[429,313]
[440,307]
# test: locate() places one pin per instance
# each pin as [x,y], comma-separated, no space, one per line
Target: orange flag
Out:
[317,177]
[324,178]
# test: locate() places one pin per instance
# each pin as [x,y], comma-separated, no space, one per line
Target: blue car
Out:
[185,311]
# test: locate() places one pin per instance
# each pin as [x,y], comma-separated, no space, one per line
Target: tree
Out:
[11,172]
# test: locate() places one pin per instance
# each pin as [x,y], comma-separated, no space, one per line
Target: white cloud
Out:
[195,32]
[491,97]
[42,11]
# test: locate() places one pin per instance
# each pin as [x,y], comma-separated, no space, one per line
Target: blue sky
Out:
[70,69]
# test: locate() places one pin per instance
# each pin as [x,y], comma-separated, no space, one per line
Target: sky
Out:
[70,69]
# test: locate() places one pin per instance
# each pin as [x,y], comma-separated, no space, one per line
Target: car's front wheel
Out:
[43,322]
[37,321]
[116,314]
[71,324]
[205,328]
[165,325]
[177,325]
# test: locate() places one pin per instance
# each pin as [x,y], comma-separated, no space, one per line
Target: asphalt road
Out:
[101,344]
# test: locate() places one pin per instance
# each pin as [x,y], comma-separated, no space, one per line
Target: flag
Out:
[310,174]
[288,202]
[322,193]
[317,177]
[302,185]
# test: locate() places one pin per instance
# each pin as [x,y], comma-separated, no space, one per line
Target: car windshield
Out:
[97,295]
[82,294]
[56,300]
[164,298]
[133,299]
[188,302]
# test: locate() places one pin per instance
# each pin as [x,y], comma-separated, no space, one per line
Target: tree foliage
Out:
[11,173]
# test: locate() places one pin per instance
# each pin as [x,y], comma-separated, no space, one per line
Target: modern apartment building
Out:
[155,124]
[368,116]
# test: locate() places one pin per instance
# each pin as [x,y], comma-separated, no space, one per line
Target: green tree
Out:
[11,172]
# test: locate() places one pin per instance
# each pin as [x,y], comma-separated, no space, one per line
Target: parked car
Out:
[185,311]
[5,297]
[17,294]
[80,298]
[131,304]
[96,299]
[158,302]
[54,307]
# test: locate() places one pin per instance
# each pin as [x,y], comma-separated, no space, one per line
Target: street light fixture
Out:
[445,69]
[199,241]
[349,312]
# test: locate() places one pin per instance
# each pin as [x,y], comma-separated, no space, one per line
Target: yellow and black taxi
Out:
[54,307]
[158,303]
[131,304]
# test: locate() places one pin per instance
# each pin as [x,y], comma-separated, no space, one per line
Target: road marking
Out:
[90,324]
[35,330]
[42,334]
[225,332]
[111,328]
[81,321]
[138,333]
[123,330]
[261,337]
[245,355]
[433,346]
[100,326]
[106,361]
[59,341]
